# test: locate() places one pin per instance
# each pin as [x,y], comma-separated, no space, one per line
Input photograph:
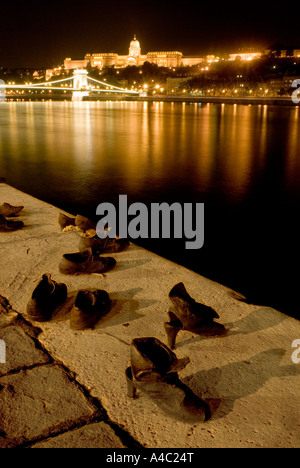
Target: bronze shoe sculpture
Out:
[84,224]
[85,263]
[89,308]
[65,221]
[187,314]
[154,371]
[80,222]
[46,297]
[9,211]
[106,245]
[151,359]
[10,226]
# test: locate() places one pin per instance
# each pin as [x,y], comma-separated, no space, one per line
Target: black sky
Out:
[42,34]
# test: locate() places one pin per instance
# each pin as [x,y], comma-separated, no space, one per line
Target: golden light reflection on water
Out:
[140,145]
[292,150]
[239,150]
[13,126]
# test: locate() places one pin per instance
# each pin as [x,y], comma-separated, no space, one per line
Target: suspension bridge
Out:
[81,85]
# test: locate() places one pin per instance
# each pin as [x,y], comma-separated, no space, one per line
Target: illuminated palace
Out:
[135,57]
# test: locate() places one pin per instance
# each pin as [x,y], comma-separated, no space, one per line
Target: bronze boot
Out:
[47,296]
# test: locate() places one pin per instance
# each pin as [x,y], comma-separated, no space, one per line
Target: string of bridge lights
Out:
[49,85]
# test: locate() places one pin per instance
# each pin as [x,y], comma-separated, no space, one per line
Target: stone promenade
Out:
[61,388]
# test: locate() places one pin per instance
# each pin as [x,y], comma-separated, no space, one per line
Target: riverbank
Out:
[61,388]
[271,101]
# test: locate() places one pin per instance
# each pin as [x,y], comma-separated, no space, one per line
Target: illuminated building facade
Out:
[169,59]
[100,60]
[134,58]
[165,59]
[245,56]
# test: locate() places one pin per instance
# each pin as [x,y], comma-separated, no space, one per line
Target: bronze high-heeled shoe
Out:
[153,371]
[153,360]
[187,314]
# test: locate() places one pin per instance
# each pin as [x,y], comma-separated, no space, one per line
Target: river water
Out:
[242,162]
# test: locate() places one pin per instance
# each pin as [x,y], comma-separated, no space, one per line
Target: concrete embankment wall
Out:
[65,388]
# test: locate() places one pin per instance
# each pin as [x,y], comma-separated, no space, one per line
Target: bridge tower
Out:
[2,91]
[80,83]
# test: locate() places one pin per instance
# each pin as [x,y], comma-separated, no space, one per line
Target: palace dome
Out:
[135,47]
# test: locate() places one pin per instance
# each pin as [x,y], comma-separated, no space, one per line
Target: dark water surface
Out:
[243,162]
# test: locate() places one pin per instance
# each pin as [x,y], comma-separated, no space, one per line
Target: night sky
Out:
[42,34]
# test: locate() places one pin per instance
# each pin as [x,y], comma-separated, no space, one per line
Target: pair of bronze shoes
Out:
[9,211]
[98,245]
[154,371]
[88,309]
[88,259]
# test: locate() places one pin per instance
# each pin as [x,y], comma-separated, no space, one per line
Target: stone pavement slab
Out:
[21,350]
[39,401]
[97,435]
